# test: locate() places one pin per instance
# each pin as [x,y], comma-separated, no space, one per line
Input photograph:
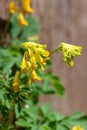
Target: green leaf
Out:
[55,83]
[1,95]
[51,117]
[55,116]
[75,121]
[45,109]
[35,127]
[16,42]
[8,58]
[44,127]
[8,104]
[58,86]
[32,28]
[32,112]
[15,29]
[46,87]
[22,123]
[17,109]
[61,127]
[8,65]
[76,115]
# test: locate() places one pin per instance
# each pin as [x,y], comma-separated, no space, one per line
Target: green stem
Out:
[11,114]
[10,117]
[54,51]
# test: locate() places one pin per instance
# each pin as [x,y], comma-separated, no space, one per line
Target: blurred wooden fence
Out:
[64,20]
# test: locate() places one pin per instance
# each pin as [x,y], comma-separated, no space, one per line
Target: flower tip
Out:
[71,64]
[22,21]
[11,7]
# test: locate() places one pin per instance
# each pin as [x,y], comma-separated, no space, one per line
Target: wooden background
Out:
[63,21]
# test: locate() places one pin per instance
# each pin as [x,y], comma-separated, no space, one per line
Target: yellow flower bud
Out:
[24,62]
[69,51]
[11,7]
[15,85]
[21,20]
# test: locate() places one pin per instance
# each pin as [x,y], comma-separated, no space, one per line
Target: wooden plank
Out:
[4,9]
[65,20]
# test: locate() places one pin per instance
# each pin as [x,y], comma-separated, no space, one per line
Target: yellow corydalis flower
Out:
[21,11]
[69,51]
[11,7]
[15,85]
[21,20]
[33,75]
[77,128]
[24,62]
[37,53]
[36,58]
[26,6]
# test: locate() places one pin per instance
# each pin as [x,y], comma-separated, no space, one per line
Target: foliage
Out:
[20,66]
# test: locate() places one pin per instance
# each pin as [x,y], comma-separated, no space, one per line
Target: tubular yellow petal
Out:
[21,20]
[26,6]
[33,77]
[24,62]
[15,85]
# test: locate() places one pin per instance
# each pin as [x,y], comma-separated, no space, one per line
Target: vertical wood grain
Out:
[66,20]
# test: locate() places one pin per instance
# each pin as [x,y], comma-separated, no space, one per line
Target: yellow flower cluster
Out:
[77,128]
[26,8]
[69,51]
[34,57]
